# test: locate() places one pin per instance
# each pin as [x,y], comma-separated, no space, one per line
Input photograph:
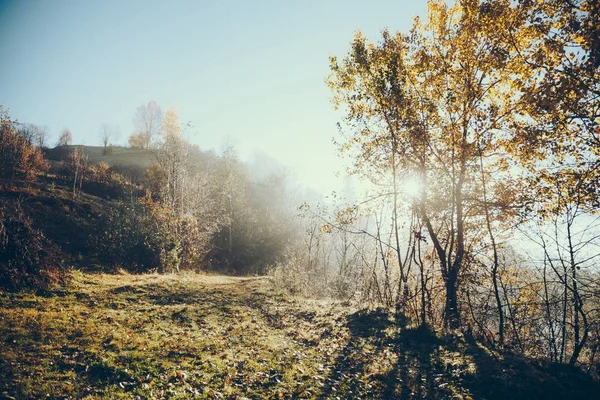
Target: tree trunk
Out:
[551,328]
[494,249]
[451,315]
[419,262]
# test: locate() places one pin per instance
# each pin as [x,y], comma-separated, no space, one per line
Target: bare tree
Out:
[78,160]
[28,131]
[148,121]
[65,138]
[35,134]
[41,136]
[107,134]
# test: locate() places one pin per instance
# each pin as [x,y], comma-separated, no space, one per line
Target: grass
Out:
[117,156]
[121,156]
[199,336]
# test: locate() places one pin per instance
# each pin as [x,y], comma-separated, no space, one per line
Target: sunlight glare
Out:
[411,186]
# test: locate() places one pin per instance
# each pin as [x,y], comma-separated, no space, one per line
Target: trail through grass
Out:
[197,336]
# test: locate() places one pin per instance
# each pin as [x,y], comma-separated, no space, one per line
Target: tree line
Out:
[191,209]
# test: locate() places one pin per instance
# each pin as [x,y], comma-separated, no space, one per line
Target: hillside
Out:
[130,162]
[116,156]
[198,336]
[70,224]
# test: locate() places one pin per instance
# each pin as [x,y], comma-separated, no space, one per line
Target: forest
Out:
[463,261]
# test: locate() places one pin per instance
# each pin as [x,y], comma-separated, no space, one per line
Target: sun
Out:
[411,186]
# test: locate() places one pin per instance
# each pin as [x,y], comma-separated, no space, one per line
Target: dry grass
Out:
[202,336]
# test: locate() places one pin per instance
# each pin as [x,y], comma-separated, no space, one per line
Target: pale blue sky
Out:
[250,71]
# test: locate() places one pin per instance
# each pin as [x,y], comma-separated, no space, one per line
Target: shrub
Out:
[102,172]
[145,236]
[128,239]
[18,156]
[27,258]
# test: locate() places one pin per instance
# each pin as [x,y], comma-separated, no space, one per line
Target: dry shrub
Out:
[27,258]
[18,157]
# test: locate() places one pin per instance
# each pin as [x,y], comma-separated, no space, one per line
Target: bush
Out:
[128,239]
[18,156]
[27,258]
[145,236]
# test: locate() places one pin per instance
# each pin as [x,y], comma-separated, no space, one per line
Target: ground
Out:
[201,336]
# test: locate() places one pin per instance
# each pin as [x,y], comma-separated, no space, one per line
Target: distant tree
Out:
[173,158]
[137,140]
[41,137]
[147,121]
[28,131]
[65,138]
[258,219]
[234,189]
[107,134]
[35,134]
[187,210]
[78,164]
[170,124]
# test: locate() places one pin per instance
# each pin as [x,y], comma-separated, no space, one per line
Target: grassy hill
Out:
[121,156]
[116,156]
[198,336]
[71,224]
[65,221]
[132,163]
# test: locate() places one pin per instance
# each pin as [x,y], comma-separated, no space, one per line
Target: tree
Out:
[137,140]
[173,158]
[107,133]
[28,131]
[564,101]
[188,207]
[41,137]
[170,124]
[563,93]
[35,134]
[65,138]
[78,160]
[147,121]
[257,218]
[439,104]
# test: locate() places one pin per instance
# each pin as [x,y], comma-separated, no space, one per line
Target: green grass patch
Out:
[198,336]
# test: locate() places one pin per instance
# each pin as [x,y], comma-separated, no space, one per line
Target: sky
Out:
[251,73]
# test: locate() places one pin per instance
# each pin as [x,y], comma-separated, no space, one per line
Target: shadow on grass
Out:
[379,360]
[361,355]
[513,376]
[366,323]
[416,364]
[349,375]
